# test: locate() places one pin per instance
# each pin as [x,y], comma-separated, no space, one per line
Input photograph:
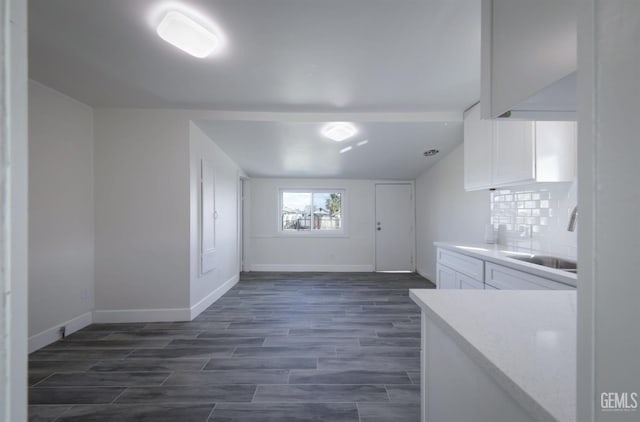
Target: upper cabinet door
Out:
[556,151]
[528,58]
[514,153]
[478,150]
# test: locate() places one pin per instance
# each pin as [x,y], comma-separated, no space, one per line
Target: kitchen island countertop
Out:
[525,340]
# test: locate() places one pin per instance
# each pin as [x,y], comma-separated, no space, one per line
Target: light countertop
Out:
[526,340]
[497,254]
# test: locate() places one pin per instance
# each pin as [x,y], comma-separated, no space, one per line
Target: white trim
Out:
[313,268]
[142,315]
[213,296]
[130,315]
[206,254]
[246,226]
[51,335]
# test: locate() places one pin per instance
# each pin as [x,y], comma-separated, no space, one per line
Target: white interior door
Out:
[394,227]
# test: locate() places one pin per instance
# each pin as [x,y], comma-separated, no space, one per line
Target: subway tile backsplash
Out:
[536,216]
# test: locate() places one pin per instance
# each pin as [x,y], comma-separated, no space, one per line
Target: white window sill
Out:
[311,235]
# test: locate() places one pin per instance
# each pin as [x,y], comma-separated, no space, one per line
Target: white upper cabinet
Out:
[478,150]
[529,59]
[499,153]
[556,145]
[513,153]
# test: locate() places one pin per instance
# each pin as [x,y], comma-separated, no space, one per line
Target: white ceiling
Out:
[294,56]
[297,149]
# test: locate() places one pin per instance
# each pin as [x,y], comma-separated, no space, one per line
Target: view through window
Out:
[311,210]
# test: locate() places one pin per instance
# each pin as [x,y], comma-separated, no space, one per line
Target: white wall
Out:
[61,229]
[445,211]
[271,251]
[13,364]
[609,195]
[208,287]
[142,215]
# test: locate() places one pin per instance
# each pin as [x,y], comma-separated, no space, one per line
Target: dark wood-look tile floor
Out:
[277,347]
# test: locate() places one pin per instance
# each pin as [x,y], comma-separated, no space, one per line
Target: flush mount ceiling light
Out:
[186,34]
[339,131]
[431,152]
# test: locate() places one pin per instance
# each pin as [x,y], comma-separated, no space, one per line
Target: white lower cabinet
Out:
[457,271]
[503,278]
[460,271]
[468,283]
[446,278]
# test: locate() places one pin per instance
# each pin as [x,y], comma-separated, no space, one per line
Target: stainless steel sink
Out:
[548,261]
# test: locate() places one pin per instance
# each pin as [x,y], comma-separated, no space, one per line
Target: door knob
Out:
[379,228]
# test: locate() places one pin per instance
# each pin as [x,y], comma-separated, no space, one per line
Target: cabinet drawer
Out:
[466,265]
[509,279]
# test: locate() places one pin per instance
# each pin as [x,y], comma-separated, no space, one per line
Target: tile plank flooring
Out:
[332,347]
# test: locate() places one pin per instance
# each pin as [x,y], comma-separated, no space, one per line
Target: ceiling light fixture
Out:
[186,34]
[431,152]
[339,131]
[346,149]
[361,143]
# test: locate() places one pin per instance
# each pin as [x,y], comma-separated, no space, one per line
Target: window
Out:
[312,211]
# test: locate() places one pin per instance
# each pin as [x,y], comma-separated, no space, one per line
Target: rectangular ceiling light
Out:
[188,35]
[339,131]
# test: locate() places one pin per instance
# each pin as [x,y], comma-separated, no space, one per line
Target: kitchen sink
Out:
[548,261]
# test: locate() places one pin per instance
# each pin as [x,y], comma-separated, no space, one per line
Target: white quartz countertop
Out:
[526,340]
[498,254]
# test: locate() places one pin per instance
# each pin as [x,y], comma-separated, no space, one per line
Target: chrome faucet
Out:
[573,219]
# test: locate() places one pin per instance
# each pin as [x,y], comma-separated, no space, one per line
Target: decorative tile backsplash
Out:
[536,216]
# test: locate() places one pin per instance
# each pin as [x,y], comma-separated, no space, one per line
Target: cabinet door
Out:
[466,282]
[513,153]
[463,264]
[478,146]
[446,278]
[555,151]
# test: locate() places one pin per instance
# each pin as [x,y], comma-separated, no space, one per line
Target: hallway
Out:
[278,346]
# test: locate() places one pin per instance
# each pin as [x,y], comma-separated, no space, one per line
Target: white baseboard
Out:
[213,296]
[430,277]
[313,268]
[50,335]
[141,315]
[163,315]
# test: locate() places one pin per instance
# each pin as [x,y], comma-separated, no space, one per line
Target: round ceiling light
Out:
[431,152]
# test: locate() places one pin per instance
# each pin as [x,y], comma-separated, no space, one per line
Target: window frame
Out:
[341,232]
